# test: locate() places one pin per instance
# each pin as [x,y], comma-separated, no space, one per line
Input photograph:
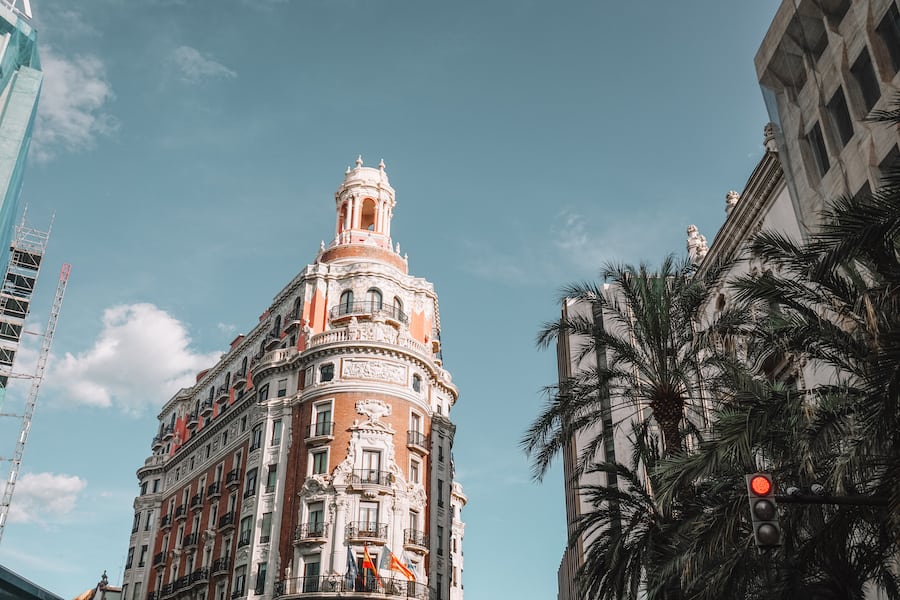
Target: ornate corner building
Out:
[319,446]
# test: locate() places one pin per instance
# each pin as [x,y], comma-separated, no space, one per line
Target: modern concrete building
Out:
[315,458]
[20,87]
[824,66]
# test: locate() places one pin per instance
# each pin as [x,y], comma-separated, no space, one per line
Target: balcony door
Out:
[368,519]
[371,466]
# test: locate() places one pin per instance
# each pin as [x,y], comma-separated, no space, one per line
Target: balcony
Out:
[206,408]
[238,593]
[321,432]
[157,444]
[201,575]
[165,522]
[240,379]
[214,490]
[273,338]
[292,319]
[181,583]
[362,478]
[190,540]
[181,512]
[367,309]
[366,532]
[221,565]
[245,538]
[233,478]
[274,358]
[417,441]
[226,521]
[415,541]
[337,585]
[310,533]
[197,502]
[159,559]
[168,433]
[193,420]
[153,596]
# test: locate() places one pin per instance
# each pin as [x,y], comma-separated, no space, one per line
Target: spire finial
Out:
[348,170]
[381,164]
[359,161]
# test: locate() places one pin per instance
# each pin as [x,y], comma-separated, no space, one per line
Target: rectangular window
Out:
[250,488]
[817,149]
[440,492]
[144,488]
[143,559]
[440,540]
[136,523]
[265,530]
[264,392]
[271,478]
[326,372]
[368,518]
[276,432]
[414,467]
[320,462]
[889,31]
[155,485]
[322,419]
[282,388]
[149,521]
[311,574]
[130,558]
[864,73]
[260,587]
[840,117]
[138,589]
[371,465]
[240,580]
[256,437]
[316,519]
[246,531]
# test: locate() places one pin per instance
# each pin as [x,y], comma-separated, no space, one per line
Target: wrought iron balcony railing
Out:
[394,587]
[365,308]
[417,439]
[214,489]
[221,565]
[310,531]
[226,520]
[414,537]
[233,477]
[359,530]
[372,477]
[321,429]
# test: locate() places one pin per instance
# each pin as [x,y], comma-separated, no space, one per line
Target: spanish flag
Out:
[368,563]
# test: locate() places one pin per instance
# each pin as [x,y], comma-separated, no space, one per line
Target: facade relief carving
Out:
[377,370]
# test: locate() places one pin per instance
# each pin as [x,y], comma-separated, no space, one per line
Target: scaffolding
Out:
[16,293]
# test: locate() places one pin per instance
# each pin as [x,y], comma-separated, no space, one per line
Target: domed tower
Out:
[368,473]
[315,458]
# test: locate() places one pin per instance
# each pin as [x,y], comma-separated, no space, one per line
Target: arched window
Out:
[373,297]
[276,328]
[227,380]
[398,307]
[367,218]
[346,302]
[298,308]
[212,392]
[244,366]
[416,383]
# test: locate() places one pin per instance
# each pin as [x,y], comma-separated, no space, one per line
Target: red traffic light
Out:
[761,485]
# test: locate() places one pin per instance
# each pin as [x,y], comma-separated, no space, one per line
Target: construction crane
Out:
[33,392]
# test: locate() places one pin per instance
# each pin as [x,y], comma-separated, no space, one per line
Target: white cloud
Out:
[41,497]
[194,67]
[142,356]
[226,328]
[74,96]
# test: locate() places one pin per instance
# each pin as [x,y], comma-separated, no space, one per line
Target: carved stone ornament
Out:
[377,370]
[374,409]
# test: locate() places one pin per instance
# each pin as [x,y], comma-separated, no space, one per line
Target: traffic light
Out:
[763,510]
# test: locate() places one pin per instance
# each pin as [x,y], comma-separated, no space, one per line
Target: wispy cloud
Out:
[43,497]
[141,357]
[195,67]
[72,111]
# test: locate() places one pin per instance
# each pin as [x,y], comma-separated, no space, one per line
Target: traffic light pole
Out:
[849,500]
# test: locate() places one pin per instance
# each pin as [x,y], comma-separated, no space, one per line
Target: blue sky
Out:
[191,150]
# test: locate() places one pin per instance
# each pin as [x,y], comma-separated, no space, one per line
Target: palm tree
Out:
[644,329]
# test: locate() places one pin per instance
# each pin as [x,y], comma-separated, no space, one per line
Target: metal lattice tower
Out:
[16,293]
